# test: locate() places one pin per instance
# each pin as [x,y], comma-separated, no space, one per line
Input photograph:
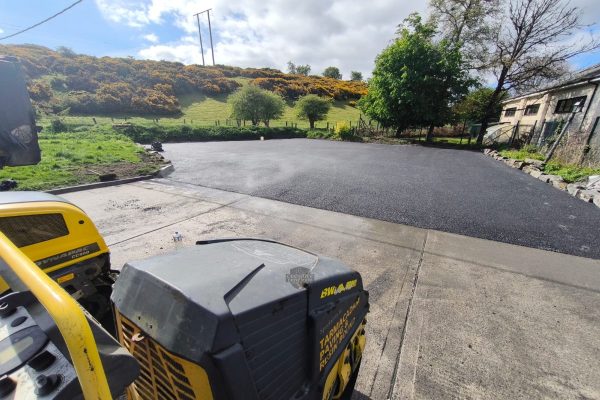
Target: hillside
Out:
[68,84]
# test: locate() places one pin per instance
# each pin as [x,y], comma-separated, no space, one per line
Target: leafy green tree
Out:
[273,107]
[356,76]
[303,69]
[313,108]
[332,72]
[255,104]
[416,80]
[472,108]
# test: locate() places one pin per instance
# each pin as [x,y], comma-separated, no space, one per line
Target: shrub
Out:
[39,91]
[57,125]
[184,133]
[320,134]
[343,131]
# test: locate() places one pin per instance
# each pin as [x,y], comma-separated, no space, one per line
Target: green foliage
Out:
[332,72]
[86,85]
[298,69]
[356,76]
[570,173]
[313,108]
[320,134]
[522,154]
[57,125]
[200,110]
[343,131]
[294,86]
[183,133]
[291,67]
[303,69]
[39,91]
[473,107]
[255,104]
[415,80]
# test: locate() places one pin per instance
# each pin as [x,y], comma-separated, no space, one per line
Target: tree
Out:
[255,104]
[65,51]
[472,107]
[303,69]
[415,80]
[356,76]
[332,72]
[291,67]
[532,44]
[469,25]
[273,107]
[313,108]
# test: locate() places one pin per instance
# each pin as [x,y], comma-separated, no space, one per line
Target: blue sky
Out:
[254,33]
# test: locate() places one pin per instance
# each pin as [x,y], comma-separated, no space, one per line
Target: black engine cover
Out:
[265,320]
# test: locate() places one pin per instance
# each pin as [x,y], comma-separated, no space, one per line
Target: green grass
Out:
[570,173]
[523,153]
[71,158]
[200,110]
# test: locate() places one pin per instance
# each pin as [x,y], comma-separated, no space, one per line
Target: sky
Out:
[246,33]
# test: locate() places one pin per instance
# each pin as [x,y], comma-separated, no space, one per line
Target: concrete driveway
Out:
[453,191]
[451,316]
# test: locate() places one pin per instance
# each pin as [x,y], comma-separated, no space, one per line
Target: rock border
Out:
[535,168]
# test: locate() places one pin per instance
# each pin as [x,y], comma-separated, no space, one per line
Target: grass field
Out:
[199,110]
[78,157]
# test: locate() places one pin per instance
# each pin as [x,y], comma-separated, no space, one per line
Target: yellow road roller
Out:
[224,319]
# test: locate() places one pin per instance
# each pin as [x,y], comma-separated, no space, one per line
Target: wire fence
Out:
[98,120]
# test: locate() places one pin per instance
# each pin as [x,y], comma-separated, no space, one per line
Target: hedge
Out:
[145,135]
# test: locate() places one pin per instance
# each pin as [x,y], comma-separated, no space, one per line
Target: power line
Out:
[42,22]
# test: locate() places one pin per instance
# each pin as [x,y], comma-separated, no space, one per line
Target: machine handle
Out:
[68,316]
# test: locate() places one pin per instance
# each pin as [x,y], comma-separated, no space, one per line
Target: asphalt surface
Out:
[455,191]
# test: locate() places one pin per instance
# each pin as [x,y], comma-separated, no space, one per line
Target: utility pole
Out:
[200,36]
[209,32]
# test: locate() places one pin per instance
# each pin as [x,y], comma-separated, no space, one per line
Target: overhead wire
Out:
[41,22]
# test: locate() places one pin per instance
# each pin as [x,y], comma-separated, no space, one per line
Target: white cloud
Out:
[258,33]
[151,37]
[1,30]
[254,33]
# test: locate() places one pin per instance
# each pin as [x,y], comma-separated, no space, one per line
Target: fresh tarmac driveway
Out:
[454,191]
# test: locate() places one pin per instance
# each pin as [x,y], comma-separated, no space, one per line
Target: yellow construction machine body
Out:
[63,242]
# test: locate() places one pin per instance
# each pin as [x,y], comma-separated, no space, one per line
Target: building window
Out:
[510,112]
[566,105]
[532,109]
